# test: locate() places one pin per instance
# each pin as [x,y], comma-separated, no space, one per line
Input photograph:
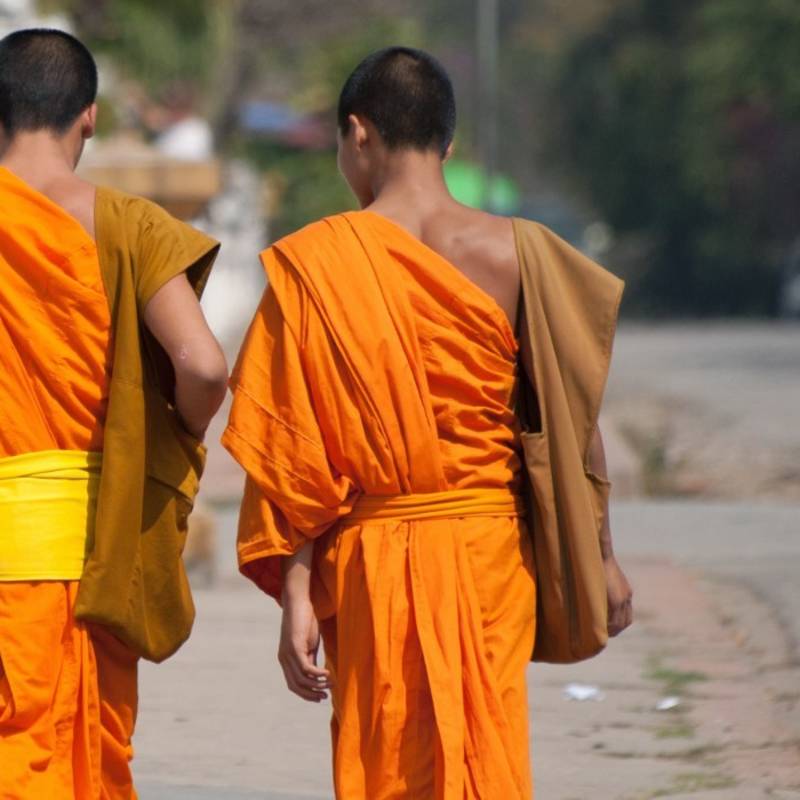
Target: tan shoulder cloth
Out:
[570,307]
[134,581]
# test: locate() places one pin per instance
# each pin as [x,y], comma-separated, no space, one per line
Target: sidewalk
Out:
[216,721]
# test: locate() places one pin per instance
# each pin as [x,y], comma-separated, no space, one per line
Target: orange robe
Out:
[374,368]
[67,694]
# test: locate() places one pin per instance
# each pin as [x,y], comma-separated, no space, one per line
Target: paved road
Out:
[722,398]
[216,722]
[743,375]
[757,545]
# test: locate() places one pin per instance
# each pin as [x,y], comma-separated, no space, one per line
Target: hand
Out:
[620,597]
[298,648]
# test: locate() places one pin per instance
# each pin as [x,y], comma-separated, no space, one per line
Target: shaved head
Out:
[406,94]
[47,80]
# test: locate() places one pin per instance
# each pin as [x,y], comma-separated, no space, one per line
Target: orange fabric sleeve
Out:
[292,492]
[264,536]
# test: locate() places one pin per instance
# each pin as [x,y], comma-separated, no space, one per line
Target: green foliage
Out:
[678,121]
[158,43]
[324,70]
[310,185]
[674,681]
[683,119]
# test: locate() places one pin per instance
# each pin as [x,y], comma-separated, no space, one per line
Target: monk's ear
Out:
[89,121]
[359,131]
[448,154]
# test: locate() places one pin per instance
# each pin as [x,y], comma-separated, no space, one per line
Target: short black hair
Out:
[406,94]
[47,79]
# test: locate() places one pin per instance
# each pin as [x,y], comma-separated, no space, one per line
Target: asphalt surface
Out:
[216,721]
[757,545]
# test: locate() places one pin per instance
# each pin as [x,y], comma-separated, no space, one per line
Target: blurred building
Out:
[183,185]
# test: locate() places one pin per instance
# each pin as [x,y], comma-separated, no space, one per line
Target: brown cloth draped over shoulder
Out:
[134,581]
[570,306]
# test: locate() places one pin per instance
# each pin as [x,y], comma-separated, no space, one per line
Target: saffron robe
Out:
[373,367]
[68,690]
[54,327]
[67,693]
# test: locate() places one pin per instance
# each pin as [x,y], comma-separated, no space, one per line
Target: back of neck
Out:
[40,158]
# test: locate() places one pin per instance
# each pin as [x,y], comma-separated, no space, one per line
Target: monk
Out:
[374,415]
[68,689]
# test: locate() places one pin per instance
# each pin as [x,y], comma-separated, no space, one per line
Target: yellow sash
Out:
[452,504]
[47,509]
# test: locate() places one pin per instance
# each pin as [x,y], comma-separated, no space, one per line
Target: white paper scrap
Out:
[666,703]
[582,691]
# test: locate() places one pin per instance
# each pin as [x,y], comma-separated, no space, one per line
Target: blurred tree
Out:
[682,119]
[274,48]
[677,122]
[227,52]
[231,50]
[158,43]
[309,78]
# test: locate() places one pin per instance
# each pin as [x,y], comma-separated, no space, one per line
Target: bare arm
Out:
[297,573]
[597,464]
[620,594]
[299,644]
[175,318]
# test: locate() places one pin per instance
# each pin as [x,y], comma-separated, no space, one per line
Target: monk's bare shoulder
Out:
[482,246]
[495,237]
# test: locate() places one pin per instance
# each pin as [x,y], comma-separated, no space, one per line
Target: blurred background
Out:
[662,139]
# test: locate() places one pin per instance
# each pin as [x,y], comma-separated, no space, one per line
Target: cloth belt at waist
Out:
[48,501]
[438,505]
